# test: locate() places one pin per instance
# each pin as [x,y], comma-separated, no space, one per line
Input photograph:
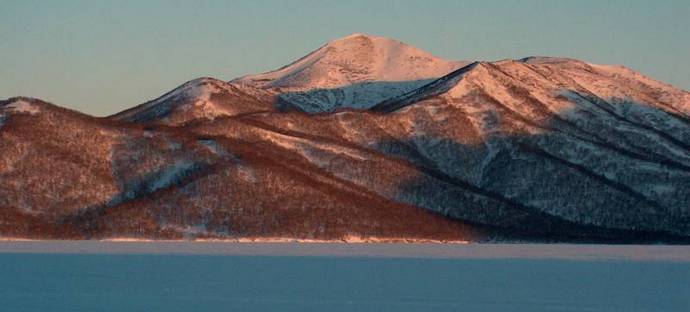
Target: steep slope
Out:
[595,145]
[67,175]
[199,99]
[352,72]
[387,171]
[52,159]
[55,162]
[263,192]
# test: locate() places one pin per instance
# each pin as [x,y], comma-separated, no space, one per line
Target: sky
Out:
[100,57]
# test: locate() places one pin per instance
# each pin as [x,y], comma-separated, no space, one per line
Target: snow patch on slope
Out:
[216,148]
[22,106]
[194,97]
[246,173]
[199,91]
[171,174]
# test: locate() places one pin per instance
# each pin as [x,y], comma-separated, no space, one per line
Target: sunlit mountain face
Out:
[366,138]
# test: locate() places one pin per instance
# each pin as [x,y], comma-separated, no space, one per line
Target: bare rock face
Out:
[365,137]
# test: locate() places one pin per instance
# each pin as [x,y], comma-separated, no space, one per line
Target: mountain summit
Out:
[202,98]
[356,71]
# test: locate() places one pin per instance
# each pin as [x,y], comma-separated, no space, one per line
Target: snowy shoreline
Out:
[311,248]
[258,240]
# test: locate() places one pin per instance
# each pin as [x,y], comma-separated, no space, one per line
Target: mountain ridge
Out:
[539,148]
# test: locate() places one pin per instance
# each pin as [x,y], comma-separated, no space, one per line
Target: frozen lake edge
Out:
[588,252]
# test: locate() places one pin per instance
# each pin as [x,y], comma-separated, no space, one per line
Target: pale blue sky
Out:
[100,57]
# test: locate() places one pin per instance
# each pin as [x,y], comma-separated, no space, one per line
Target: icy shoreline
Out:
[345,240]
[427,250]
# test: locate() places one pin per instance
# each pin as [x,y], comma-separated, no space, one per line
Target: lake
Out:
[193,276]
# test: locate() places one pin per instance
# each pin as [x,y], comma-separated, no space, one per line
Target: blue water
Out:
[185,282]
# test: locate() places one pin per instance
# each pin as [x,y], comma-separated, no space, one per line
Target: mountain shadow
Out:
[359,96]
[614,170]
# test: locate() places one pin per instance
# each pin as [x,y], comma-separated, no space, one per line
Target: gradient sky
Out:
[100,57]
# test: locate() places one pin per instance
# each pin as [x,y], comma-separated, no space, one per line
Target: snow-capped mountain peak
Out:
[355,58]
[20,105]
[356,71]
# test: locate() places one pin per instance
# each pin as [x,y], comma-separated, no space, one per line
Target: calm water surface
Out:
[97,276]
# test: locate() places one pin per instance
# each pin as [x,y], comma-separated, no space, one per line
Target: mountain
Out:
[357,71]
[599,146]
[67,175]
[540,148]
[203,98]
